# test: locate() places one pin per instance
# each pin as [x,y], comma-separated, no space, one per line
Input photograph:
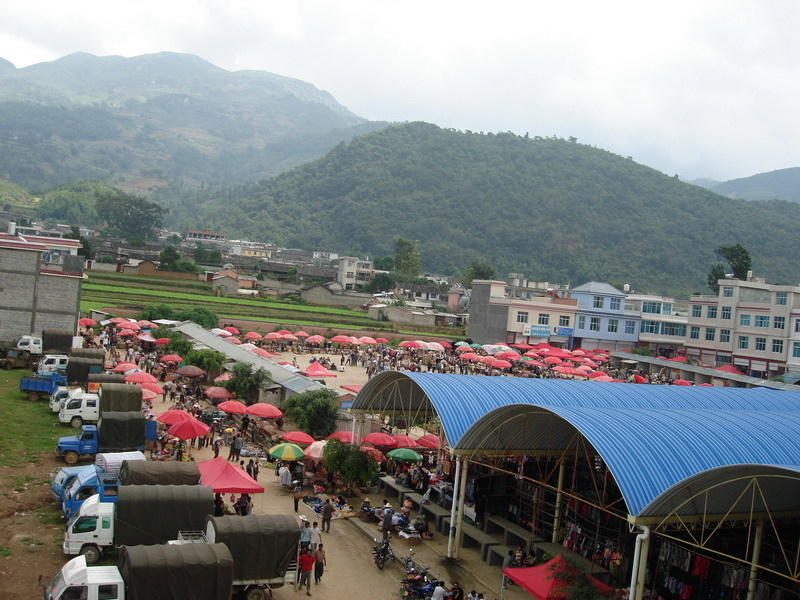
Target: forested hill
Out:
[164,116]
[553,209]
[783,184]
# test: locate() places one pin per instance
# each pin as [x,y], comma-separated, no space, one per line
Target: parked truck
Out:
[79,368]
[57,341]
[44,385]
[49,363]
[79,409]
[142,514]
[88,407]
[158,472]
[27,343]
[63,478]
[62,393]
[115,432]
[120,397]
[185,571]
[110,463]
[101,478]
[96,379]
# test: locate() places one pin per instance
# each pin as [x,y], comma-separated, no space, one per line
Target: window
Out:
[84,525]
[85,493]
[522,317]
[651,307]
[544,319]
[581,322]
[563,321]
[697,311]
[726,312]
[761,344]
[630,327]
[676,329]
[744,342]
[105,523]
[648,327]
[598,302]
[711,334]
[777,346]
[797,325]
[762,320]
[744,320]
[694,332]
[711,312]
[779,322]
[615,303]
[613,325]
[727,292]
[725,335]
[107,592]
[75,592]
[795,349]
[594,324]
[781,298]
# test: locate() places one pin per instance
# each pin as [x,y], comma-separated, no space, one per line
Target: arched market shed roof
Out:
[654,439]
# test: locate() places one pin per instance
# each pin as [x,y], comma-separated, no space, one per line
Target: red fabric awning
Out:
[539,582]
[225,478]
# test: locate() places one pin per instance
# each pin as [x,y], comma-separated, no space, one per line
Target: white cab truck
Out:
[166,572]
[79,409]
[62,393]
[31,343]
[52,362]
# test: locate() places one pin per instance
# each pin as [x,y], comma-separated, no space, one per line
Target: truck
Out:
[115,432]
[263,547]
[101,478]
[57,341]
[63,478]
[63,392]
[157,472]
[185,571]
[44,385]
[134,519]
[79,368]
[95,379]
[27,343]
[88,407]
[52,362]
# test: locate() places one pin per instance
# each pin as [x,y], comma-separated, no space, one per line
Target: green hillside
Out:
[783,184]
[170,116]
[14,199]
[553,209]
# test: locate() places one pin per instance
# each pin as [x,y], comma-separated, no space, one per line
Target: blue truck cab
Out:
[62,480]
[88,483]
[72,447]
[43,385]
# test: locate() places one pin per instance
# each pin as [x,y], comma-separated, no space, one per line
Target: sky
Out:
[699,89]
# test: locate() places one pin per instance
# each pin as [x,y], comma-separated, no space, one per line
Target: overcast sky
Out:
[706,88]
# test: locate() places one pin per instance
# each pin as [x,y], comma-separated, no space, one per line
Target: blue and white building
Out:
[601,319]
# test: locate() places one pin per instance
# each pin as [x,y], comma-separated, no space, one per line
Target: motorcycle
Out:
[413,591]
[381,552]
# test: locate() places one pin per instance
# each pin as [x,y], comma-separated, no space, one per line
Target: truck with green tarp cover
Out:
[88,353]
[78,369]
[119,431]
[55,340]
[156,472]
[154,514]
[119,397]
[168,572]
[263,547]
[96,379]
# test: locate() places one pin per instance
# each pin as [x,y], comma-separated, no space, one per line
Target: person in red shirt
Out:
[306,562]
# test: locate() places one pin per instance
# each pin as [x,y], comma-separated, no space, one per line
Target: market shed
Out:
[680,457]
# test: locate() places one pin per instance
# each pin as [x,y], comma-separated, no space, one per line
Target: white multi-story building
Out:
[662,328]
[354,272]
[751,325]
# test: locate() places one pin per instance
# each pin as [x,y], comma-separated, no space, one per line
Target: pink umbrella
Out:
[261,352]
[408,344]
[171,358]
[232,407]
[404,441]
[264,410]
[234,340]
[273,335]
[429,440]
[639,379]
[129,325]
[148,394]
[367,340]
[125,366]
[86,322]
[146,324]
[297,437]
[552,360]
[218,392]
[315,339]
[501,364]
[283,331]
[681,382]
[153,387]
[223,333]
[188,429]
[315,450]
[346,437]
[290,336]
[487,360]
[126,333]
[301,334]
[373,453]
[163,341]
[463,349]
[171,417]
[597,374]
[603,378]
[230,329]
[341,339]
[507,355]
[140,377]
[470,356]
[190,371]
[223,377]
[252,335]
[383,341]
[116,320]
[378,439]
[535,363]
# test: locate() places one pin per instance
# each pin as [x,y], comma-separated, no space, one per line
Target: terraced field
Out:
[129,294]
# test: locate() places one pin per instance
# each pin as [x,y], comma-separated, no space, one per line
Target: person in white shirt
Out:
[439,592]
[316,536]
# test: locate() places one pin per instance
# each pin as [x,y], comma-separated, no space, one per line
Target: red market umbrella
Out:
[224,478]
[186,430]
[681,382]
[218,392]
[129,325]
[301,334]
[352,388]
[148,395]
[507,355]
[429,440]
[171,358]
[190,371]
[232,407]
[252,335]
[379,439]
[705,385]
[153,387]
[540,583]
[86,322]
[163,341]
[273,335]
[297,437]
[125,366]
[501,364]
[552,360]
[315,339]
[290,336]
[223,377]
[341,339]
[403,441]
[231,330]
[261,352]
[315,450]
[346,437]
[408,344]
[729,369]
[597,374]
[283,331]
[367,340]
[264,410]
[116,320]
[140,377]
[678,359]
[373,453]
[639,379]
[146,324]
[233,340]
[383,341]
[126,333]
[171,417]
[317,370]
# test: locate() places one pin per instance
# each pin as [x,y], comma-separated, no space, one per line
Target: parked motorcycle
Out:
[381,552]
[413,591]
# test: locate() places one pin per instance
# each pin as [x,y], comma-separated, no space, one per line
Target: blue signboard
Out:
[565,331]
[536,331]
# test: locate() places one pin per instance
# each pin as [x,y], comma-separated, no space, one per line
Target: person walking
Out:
[232,448]
[217,445]
[306,562]
[305,534]
[319,563]
[327,514]
[238,444]
[297,494]
[316,537]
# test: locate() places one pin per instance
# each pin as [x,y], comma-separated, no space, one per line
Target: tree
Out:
[382,282]
[208,360]
[739,263]
[86,251]
[130,214]
[383,263]
[314,411]
[355,466]
[245,381]
[179,346]
[574,582]
[200,255]
[479,270]
[406,257]
[152,312]
[168,258]
[201,316]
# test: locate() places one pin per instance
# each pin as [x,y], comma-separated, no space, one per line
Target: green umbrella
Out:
[286,452]
[476,346]
[404,454]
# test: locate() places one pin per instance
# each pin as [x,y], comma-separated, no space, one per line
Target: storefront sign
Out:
[565,331]
[536,331]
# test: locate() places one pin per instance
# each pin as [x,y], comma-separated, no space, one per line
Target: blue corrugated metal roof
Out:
[651,437]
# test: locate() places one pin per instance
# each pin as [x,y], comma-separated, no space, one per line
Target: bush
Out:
[314,412]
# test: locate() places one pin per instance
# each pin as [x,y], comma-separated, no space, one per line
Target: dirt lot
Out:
[30,529]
